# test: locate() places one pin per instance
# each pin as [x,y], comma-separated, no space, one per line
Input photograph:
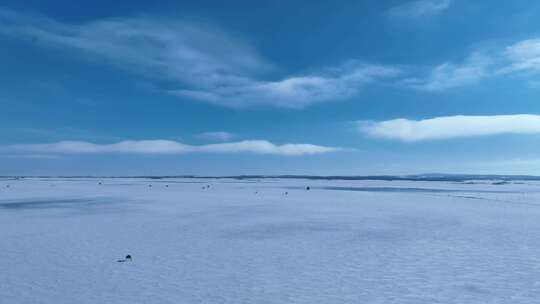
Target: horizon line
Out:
[410,177]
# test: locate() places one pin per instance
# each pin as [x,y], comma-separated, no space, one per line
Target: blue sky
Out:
[268,87]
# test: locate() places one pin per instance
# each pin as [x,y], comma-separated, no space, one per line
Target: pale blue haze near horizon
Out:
[267,87]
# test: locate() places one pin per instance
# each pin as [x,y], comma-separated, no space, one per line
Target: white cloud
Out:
[449,75]
[523,56]
[451,127]
[419,9]
[297,91]
[188,53]
[218,135]
[167,147]
[204,63]
[198,61]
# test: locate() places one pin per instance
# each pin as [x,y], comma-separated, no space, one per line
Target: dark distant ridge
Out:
[418,177]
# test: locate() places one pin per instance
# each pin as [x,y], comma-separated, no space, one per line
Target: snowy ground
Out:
[245,241]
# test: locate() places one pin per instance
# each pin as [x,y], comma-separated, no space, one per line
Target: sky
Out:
[269,87]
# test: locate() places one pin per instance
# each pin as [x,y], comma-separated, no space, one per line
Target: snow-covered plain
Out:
[246,241]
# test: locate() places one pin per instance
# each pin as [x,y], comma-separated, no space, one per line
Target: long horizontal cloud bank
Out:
[451,127]
[167,147]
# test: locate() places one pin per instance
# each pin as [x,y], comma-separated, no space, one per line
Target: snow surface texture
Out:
[246,241]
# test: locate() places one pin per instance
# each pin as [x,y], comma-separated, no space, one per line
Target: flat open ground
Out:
[246,241]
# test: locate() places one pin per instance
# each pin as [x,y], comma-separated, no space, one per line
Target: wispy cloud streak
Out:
[523,56]
[520,58]
[200,62]
[217,136]
[332,84]
[419,9]
[450,75]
